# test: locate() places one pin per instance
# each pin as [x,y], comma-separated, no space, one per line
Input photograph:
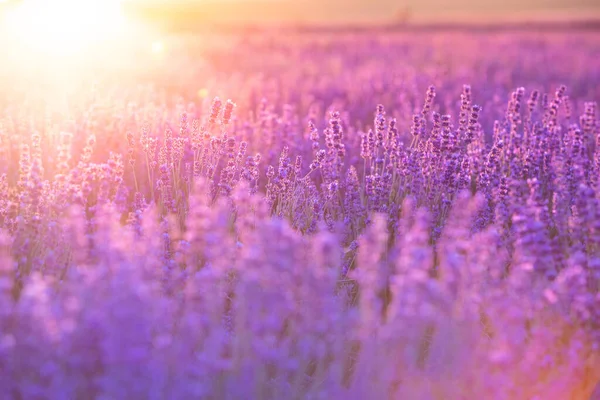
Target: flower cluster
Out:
[362,224]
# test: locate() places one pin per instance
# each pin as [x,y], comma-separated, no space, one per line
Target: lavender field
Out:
[372,215]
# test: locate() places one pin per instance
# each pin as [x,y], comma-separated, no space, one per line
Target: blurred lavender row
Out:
[383,216]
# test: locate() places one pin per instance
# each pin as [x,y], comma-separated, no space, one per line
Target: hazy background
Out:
[363,11]
[186,14]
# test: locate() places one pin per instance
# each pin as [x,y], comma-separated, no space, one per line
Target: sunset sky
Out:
[190,12]
[422,5]
[381,10]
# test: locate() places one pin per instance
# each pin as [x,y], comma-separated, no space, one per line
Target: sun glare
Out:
[64,26]
[158,47]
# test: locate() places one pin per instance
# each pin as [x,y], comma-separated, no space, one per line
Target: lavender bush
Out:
[377,216]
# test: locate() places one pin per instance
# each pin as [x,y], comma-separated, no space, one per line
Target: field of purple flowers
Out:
[371,216]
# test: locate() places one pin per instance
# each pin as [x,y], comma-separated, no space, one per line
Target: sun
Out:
[60,26]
